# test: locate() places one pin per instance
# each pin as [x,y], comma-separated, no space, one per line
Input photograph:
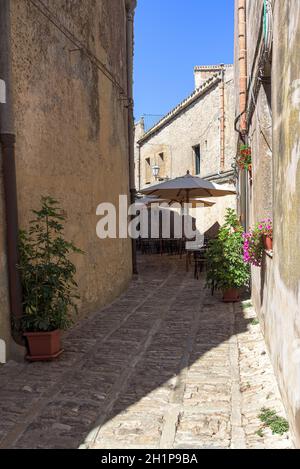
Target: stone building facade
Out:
[197,136]
[71,80]
[272,130]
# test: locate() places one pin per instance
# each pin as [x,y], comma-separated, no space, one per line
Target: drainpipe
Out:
[140,182]
[130,6]
[242,118]
[242,31]
[222,119]
[7,142]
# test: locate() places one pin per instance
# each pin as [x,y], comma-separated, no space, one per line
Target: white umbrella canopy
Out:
[206,203]
[187,187]
[148,200]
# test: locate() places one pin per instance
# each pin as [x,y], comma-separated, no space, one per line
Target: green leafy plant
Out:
[48,275]
[255,322]
[260,433]
[244,159]
[247,304]
[278,425]
[225,266]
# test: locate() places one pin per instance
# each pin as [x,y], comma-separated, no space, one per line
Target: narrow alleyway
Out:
[165,366]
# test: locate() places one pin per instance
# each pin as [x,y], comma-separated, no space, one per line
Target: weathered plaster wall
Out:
[209,219]
[198,124]
[276,287]
[282,321]
[71,129]
[260,192]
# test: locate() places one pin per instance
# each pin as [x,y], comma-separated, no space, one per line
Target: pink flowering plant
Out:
[253,242]
[266,228]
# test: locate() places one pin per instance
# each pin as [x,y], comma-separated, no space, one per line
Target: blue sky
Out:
[171,37]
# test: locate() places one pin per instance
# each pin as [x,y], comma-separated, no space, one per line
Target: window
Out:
[197,157]
[162,165]
[148,172]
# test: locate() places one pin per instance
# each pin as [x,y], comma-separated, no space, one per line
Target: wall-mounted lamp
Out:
[155,171]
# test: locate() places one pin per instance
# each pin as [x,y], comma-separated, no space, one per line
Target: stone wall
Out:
[72,128]
[197,124]
[275,140]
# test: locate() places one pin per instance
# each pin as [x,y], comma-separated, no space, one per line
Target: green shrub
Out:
[48,276]
[278,425]
[225,265]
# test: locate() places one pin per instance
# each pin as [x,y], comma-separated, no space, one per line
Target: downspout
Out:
[139,163]
[222,119]
[242,30]
[241,121]
[130,6]
[7,142]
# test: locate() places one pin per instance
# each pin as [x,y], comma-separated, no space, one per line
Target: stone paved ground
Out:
[165,366]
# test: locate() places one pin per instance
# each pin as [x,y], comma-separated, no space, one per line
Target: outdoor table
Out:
[192,251]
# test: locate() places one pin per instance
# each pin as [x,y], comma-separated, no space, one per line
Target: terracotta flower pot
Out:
[268,243]
[43,346]
[231,296]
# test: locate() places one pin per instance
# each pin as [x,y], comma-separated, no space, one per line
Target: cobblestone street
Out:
[166,366]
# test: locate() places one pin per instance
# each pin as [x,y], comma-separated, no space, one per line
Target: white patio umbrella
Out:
[185,188]
[148,200]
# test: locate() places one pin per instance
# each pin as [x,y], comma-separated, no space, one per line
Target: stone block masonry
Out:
[164,366]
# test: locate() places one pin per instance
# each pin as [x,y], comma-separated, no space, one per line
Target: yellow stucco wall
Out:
[71,133]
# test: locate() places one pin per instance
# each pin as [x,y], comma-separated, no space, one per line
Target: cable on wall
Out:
[46,12]
[268,27]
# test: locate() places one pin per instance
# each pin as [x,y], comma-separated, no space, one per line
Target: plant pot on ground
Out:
[44,345]
[48,281]
[232,295]
[226,270]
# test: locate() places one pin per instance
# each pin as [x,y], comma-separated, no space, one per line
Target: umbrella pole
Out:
[187,202]
[188,260]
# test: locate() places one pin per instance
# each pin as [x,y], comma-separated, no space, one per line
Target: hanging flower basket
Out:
[268,243]
[257,240]
[244,161]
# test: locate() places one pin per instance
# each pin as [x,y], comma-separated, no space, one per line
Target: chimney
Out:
[204,72]
[139,129]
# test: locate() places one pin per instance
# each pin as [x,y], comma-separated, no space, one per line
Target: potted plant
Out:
[266,227]
[253,248]
[226,269]
[259,238]
[244,160]
[48,281]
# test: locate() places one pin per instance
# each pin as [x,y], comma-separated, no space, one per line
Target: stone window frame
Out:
[148,173]
[197,146]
